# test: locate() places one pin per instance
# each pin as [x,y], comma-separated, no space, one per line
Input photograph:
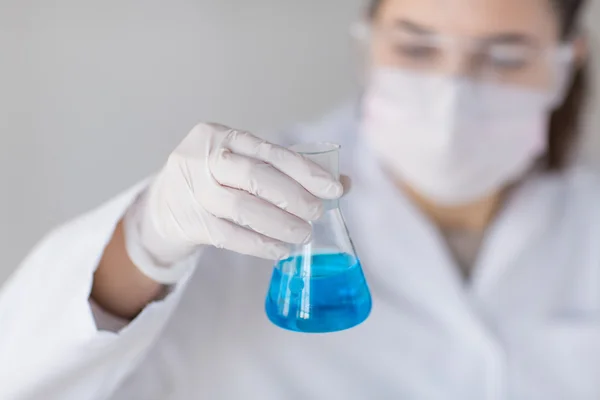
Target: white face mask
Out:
[452,139]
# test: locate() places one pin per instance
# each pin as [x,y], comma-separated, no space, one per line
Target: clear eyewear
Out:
[523,64]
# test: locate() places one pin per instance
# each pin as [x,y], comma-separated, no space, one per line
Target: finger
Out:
[310,175]
[265,181]
[346,182]
[230,236]
[256,214]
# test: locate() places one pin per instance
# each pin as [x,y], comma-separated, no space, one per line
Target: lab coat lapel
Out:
[526,216]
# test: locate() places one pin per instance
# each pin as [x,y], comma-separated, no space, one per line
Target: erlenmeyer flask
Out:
[321,286]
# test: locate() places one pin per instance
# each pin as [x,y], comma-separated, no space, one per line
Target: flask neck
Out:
[324,154]
[329,205]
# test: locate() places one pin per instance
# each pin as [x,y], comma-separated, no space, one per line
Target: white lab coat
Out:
[527,326]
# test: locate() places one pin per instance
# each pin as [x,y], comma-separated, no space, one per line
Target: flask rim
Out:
[315,148]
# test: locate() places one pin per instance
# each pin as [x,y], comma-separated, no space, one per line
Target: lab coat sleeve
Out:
[50,345]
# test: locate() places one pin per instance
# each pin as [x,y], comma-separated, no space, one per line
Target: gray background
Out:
[94,95]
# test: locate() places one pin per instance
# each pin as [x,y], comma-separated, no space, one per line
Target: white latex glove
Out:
[228,189]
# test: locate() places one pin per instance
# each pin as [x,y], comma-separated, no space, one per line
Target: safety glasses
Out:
[512,62]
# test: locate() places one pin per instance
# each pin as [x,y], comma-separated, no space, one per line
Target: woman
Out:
[479,241]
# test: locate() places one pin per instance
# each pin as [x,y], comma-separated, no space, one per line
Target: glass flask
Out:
[320,287]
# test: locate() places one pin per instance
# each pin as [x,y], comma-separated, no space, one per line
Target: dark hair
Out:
[564,130]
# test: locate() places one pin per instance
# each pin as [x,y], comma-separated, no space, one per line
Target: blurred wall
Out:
[94,94]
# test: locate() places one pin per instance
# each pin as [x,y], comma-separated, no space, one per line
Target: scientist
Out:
[479,239]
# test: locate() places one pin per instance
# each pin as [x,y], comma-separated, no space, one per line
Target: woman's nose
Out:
[459,64]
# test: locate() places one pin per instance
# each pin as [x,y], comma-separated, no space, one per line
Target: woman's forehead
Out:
[474,18]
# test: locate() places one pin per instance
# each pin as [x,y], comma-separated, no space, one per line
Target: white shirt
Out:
[526,326]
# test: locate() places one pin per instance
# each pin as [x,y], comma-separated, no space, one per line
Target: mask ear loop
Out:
[561,59]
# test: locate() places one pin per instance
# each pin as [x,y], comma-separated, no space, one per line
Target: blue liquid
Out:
[331,295]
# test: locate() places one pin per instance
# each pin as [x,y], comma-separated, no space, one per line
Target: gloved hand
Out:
[228,189]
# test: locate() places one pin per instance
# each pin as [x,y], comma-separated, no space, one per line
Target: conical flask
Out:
[320,287]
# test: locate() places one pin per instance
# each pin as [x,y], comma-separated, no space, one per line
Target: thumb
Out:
[346,182]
